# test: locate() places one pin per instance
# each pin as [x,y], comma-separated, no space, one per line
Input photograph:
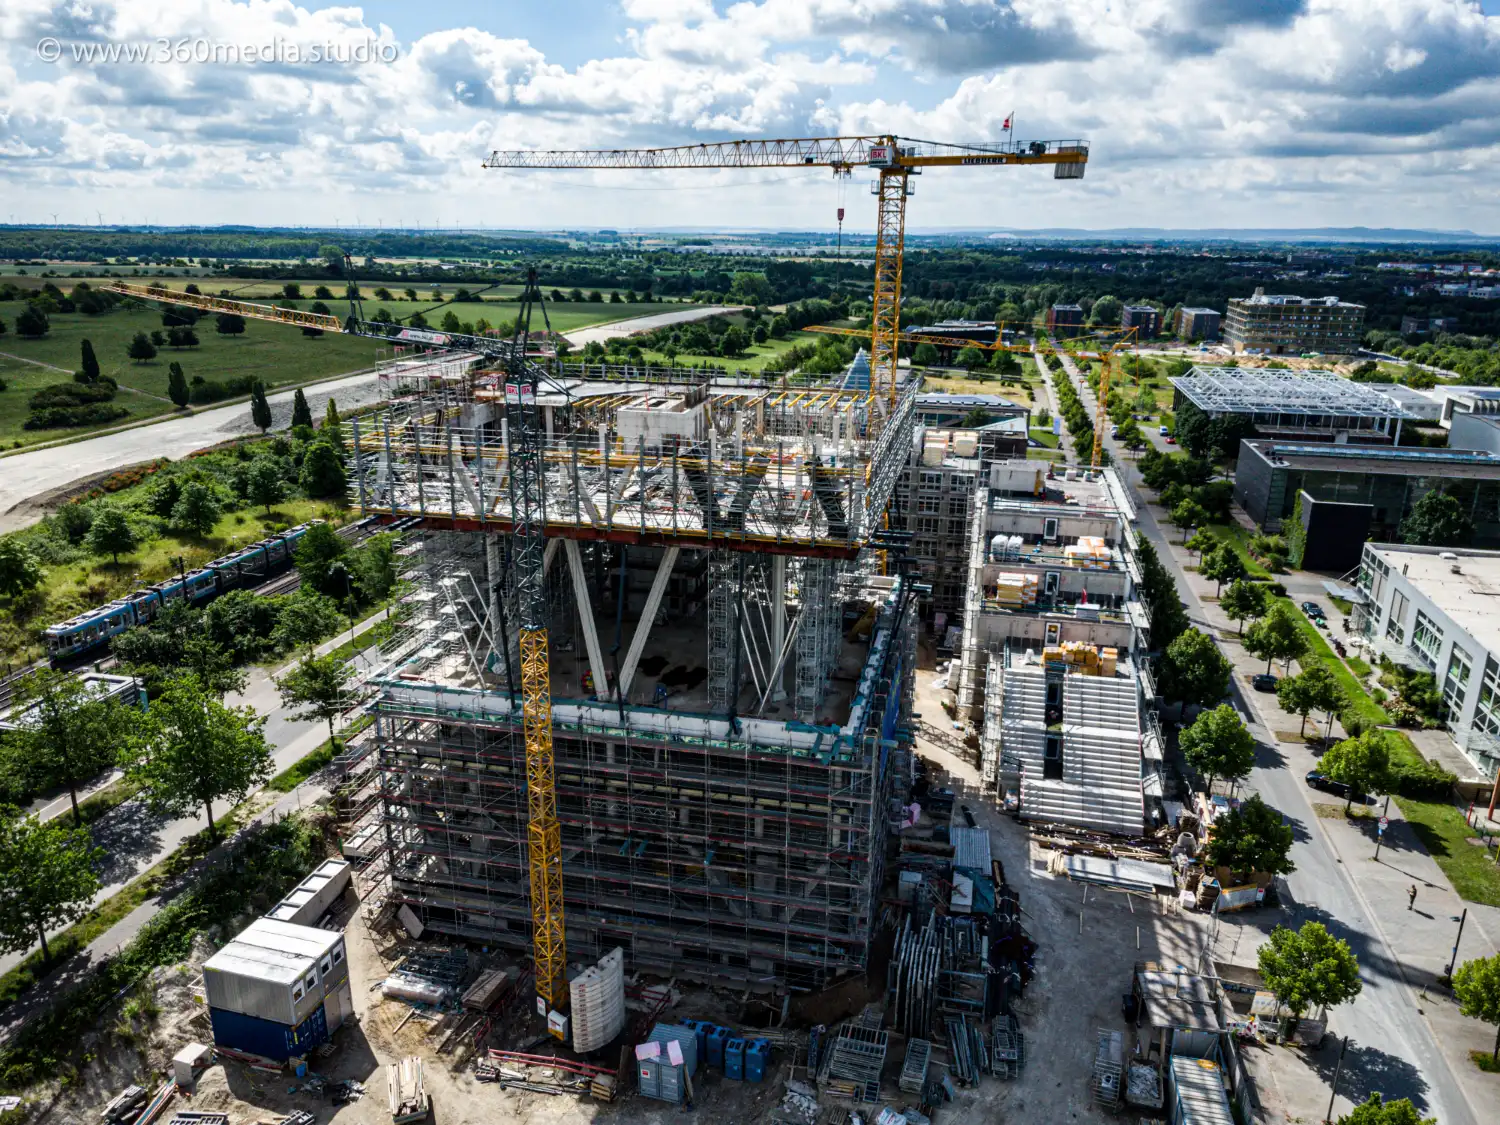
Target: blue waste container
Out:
[757,1058]
[700,1029]
[716,1038]
[734,1060]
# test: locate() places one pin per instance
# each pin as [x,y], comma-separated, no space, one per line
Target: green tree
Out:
[1276,636]
[66,732]
[197,510]
[260,409]
[263,483]
[733,342]
[1437,520]
[320,686]
[88,363]
[192,750]
[229,324]
[111,533]
[1193,670]
[1361,763]
[177,641]
[304,618]
[1168,617]
[20,569]
[451,322]
[923,355]
[333,429]
[374,565]
[292,291]
[318,553]
[31,322]
[323,471]
[301,412]
[1476,985]
[1222,565]
[1106,310]
[1188,513]
[1252,839]
[1309,968]
[48,876]
[1375,1110]
[760,334]
[1243,601]
[1217,745]
[177,385]
[1315,689]
[141,348]
[970,358]
[1202,541]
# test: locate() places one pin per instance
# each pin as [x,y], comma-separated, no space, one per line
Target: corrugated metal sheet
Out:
[1198,1093]
[971,848]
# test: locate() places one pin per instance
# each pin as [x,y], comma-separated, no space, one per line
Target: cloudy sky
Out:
[1249,113]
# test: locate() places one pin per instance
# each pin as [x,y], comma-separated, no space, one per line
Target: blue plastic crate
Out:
[734,1060]
[757,1059]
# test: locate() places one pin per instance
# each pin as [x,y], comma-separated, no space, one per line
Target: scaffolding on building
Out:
[728,828]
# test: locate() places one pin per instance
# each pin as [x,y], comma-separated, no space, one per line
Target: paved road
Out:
[1390,1038]
[601,332]
[28,477]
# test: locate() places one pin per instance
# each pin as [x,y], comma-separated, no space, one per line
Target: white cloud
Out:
[1246,111]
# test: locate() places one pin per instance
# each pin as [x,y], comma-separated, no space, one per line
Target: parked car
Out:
[1162,430]
[1263,682]
[1170,440]
[1325,784]
[1114,434]
[1312,609]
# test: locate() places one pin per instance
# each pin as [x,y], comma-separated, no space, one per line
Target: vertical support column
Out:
[778,623]
[721,632]
[358,466]
[814,652]
[492,575]
[586,616]
[890,234]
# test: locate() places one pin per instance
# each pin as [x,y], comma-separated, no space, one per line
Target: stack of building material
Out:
[914,1068]
[1078,656]
[1009,1054]
[916,961]
[1015,591]
[852,1065]
[491,985]
[1005,547]
[598,1002]
[1089,552]
[1122,874]
[409,1099]
[1143,1086]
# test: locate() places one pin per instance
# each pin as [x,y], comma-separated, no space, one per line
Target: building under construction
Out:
[732,654]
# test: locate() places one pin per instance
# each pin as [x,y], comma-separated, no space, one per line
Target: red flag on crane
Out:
[1006,126]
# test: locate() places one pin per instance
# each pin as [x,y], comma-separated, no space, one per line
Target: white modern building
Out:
[1054,634]
[1439,610]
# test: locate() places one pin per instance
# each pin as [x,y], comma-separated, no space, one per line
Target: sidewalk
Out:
[1420,940]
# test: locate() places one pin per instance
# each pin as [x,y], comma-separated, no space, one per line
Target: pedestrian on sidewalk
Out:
[1411,896]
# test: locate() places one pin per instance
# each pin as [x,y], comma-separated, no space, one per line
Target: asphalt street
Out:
[32,475]
[1390,1041]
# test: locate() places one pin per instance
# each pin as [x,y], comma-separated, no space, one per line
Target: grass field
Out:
[1235,536]
[1046,437]
[278,354]
[755,358]
[1445,834]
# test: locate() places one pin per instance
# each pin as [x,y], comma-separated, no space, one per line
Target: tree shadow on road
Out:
[1368,1070]
[130,837]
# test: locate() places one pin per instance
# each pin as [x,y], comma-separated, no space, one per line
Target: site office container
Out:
[272,1040]
[661,1079]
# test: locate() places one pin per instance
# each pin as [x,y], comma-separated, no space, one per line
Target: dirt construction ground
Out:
[1089,940]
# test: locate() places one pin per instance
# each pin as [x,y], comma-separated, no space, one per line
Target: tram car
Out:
[249,566]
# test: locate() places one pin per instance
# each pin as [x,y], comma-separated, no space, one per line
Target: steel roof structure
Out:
[1277,393]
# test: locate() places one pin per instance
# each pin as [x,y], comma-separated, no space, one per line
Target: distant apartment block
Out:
[1065,316]
[1145,319]
[1281,324]
[1198,324]
[1421,325]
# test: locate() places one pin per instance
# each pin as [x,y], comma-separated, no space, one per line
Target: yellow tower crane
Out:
[896,159]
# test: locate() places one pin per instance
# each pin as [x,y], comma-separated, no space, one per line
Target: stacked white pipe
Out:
[598,1002]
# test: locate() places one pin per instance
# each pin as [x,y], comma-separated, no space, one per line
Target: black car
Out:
[1263,682]
[1313,609]
[1323,783]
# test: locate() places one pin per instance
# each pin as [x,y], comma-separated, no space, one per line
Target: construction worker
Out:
[588,683]
[1411,897]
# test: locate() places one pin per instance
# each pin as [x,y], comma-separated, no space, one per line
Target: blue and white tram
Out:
[247,567]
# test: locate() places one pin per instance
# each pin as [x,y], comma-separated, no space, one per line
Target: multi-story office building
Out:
[1280,324]
[1198,324]
[1145,319]
[1433,608]
[1064,316]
